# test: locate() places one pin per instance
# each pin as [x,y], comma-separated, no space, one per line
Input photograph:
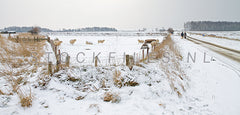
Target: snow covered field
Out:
[229,34]
[221,42]
[115,45]
[210,85]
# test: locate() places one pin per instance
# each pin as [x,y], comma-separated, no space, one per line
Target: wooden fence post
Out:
[96,62]
[48,39]
[58,60]
[57,66]
[127,60]
[143,54]
[55,50]
[50,68]
[67,61]
[148,54]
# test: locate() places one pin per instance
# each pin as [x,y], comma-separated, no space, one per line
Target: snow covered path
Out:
[233,44]
[228,52]
[217,81]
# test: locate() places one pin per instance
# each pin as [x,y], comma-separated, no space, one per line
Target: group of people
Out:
[184,35]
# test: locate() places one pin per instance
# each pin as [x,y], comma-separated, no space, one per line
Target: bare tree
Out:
[35,30]
[170,30]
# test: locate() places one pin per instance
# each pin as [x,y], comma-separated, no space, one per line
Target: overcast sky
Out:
[121,14]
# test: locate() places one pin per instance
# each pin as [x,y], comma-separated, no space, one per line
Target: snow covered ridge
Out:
[184,85]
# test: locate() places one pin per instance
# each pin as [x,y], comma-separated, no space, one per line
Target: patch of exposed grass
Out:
[117,79]
[25,98]
[112,97]
[1,92]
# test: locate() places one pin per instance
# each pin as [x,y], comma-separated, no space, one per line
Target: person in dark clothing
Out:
[185,35]
[182,35]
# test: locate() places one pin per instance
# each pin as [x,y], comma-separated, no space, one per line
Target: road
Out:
[228,52]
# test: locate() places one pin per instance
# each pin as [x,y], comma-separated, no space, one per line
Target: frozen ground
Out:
[212,87]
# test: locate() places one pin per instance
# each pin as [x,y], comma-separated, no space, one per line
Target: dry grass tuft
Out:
[95,107]
[131,83]
[113,97]
[89,43]
[117,79]
[72,41]
[14,83]
[1,93]
[140,41]
[101,41]
[57,43]
[25,99]
[79,98]
[73,79]
[43,81]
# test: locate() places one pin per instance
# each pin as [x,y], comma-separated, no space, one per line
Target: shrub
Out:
[117,79]
[170,30]
[73,41]
[113,97]
[25,99]
[35,30]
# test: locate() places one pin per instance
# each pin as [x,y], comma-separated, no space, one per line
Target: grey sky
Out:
[122,14]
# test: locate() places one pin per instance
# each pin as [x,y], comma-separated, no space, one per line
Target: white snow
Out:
[229,34]
[211,88]
[221,42]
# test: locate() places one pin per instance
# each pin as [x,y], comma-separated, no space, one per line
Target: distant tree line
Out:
[212,26]
[88,29]
[26,29]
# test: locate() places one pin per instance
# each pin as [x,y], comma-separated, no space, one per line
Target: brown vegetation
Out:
[101,41]
[1,93]
[117,79]
[35,30]
[28,36]
[153,44]
[149,40]
[16,58]
[73,41]
[170,30]
[174,72]
[89,43]
[112,97]
[25,99]
[140,41]
[57,43]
